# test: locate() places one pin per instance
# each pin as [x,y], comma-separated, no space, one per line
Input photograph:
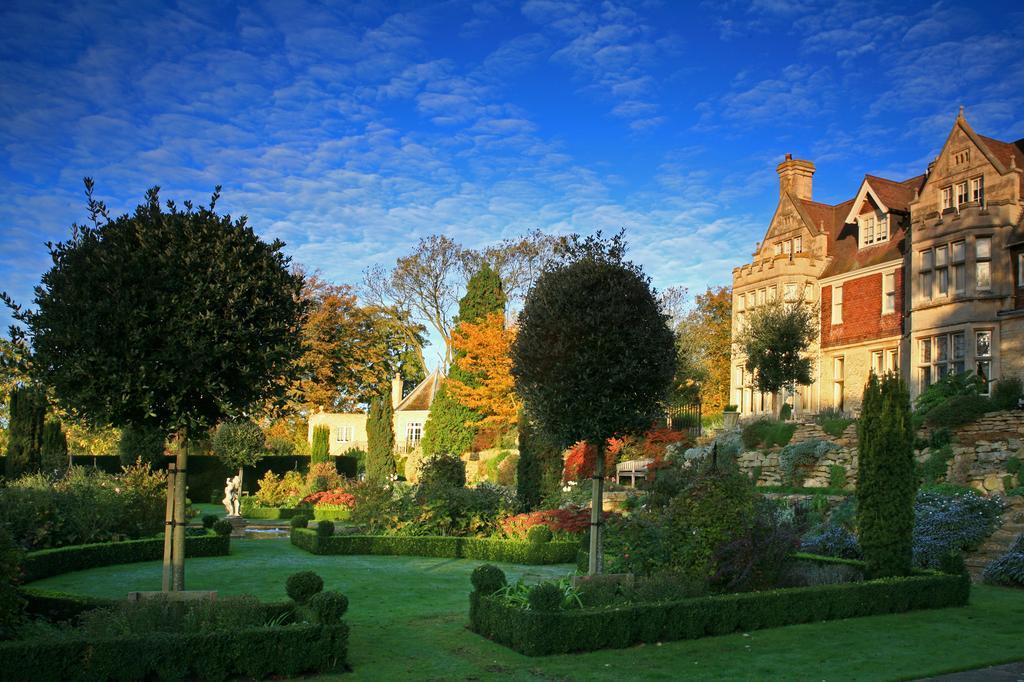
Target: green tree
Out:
[27,409]
[594,357]
[320,450]
[239,444]
[380,436]
[53,453]
[539,469]
[774,343]
[449,426]
[143,441]
[179,318]
[886,480]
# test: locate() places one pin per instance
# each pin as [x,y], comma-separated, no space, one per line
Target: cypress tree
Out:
[886,482]
[53,453]
[380,436]
[321,449]
[539,469]
[449,426]
[27,416]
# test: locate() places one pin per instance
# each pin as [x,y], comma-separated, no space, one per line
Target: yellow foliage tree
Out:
[483,355]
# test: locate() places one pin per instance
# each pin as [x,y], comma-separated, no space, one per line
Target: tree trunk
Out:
[178,544]
[169,529]
[596,562]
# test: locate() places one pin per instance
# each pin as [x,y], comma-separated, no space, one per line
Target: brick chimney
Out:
[795,177]
[396,390]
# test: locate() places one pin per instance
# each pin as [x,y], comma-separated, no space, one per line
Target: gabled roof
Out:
[423,395]
[1007,153]
[888,195]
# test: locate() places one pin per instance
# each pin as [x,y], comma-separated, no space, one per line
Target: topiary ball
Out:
[328,607]
[488,579]
[325,529]
[538,535]
[299,521]
[222,527]
[545,597]
[209,520]
[303,585]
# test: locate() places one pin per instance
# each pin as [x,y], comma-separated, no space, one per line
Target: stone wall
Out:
[817,476]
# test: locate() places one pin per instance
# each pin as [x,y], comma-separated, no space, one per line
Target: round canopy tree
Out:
[594,357]
[176,319]
[239,444]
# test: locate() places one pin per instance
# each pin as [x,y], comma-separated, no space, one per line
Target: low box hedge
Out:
[540,633]
[505,551]
[285,513]
[50,562]
[257,652]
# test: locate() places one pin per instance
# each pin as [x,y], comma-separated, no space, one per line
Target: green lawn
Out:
[409,615]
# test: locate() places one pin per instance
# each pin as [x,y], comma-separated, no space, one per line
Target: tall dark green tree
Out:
[27,419]
[320,448]
[539,469]
[53,454]
[380,436]
[886,480]
[594,356]
[449,427]
[179,318]
[142,441]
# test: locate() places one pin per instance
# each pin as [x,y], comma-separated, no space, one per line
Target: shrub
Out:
[802,573]
[222,527]
[141,441]
[507,469]
[545,597]
[303,585]
[442,471]
[786,412]
[666,587]
[299,521]
[320,450]
[767,433]
[209,520]
[958,410]
[836,477]
[488,579]
[951,385]
[755,559]
[325,528]
[569,520]
[12,605]
[279,492]
[934,468]
[792,458]
[1007,393]
[833,421]
[834,541]
[328,607]
[1009,568]
[539,535]
[322,476]
[945,523]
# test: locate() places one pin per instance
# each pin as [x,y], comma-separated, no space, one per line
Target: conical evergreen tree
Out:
[27,417]
[320,450]
[53,453]
[886,481]
[380,436]
[539,469]
[448,428]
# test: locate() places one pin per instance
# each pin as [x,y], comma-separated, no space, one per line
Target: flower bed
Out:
[540,633]
[50,562]
[507,551]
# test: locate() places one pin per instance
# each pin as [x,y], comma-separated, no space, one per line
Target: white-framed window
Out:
[927,260]
[798,244]
[892,359]
[837,304]
[789,293]
[983,358]
[957,251]
[942,269]
[760,296]
[838,381]
[343,434]
[738,373]
[808,293]
[947,197]
[961,193]
[778,248]
[787,246]
[868,225]
[888,293]
[978,189]
[983,263]
[885,360]
[751,300]
[771,292]
[740,302]
[941,355]
[413,433]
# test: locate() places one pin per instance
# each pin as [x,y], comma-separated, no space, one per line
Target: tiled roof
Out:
[423,395]
[1004,151]
[895,195]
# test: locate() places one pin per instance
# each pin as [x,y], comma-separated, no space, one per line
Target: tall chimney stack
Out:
[396,390]
[795,177]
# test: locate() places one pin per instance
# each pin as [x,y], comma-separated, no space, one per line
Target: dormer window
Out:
[874,228]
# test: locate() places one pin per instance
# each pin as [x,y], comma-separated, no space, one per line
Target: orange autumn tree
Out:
[482,352]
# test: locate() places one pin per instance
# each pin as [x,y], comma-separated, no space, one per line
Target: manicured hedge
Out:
[282,513]
[538,633]
[49,562]
[507,551]
[251,653]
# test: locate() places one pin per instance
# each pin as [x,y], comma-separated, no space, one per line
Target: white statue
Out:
[232,491]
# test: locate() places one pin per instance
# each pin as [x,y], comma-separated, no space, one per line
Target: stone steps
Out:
[996,544]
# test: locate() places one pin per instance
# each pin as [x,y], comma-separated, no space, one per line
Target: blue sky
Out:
[349,129]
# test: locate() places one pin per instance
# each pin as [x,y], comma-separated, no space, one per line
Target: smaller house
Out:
[348,429]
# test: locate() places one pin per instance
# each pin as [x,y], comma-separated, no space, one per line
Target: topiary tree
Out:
[25,441]
[449,426]
[320,450]
[179,318]
[143,441]
[594,357]
[886,481]
[380,435]
[239,444]
[53,453]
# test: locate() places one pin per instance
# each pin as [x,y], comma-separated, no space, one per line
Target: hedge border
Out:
[252,653]
[537,633]
[504,551]
[285,513]
[47,563]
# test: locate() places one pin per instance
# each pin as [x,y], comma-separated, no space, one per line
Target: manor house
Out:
[924,276]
